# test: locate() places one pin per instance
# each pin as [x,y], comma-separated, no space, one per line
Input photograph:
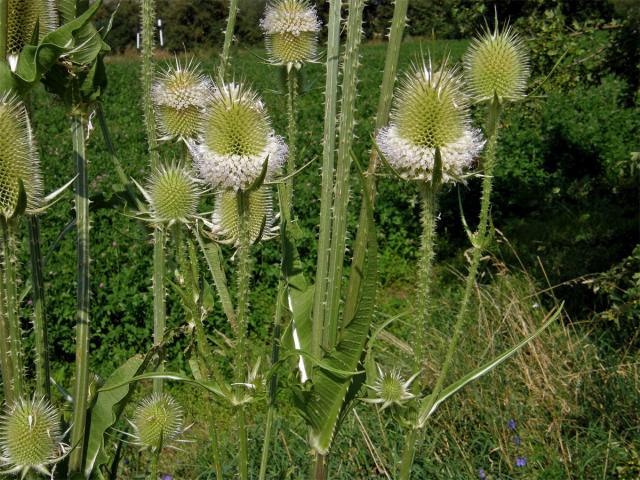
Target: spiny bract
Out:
[180,95]
[236,140]
[226,217]
[23,15]
[30,437]
[497,64]
[18,157]
[173,194]
[157,421]
[291,31]
[430,112]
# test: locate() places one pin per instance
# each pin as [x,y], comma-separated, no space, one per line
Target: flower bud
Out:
[291,30]
[30,437]
[497,64]
[236,140]
[18,157]
[430,112]
[157,421]
[180,95]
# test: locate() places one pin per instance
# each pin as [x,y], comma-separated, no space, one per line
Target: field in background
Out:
[574,401]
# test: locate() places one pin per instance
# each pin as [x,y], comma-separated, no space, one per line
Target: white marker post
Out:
[160,32]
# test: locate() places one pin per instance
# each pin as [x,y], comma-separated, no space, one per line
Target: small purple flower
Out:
[29,302]
[511,424]
[521,461]
[166,476]
[482,474]
[517,440]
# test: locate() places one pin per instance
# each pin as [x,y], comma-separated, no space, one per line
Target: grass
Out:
[560,391]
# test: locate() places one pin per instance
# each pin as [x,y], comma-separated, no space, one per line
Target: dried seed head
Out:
[226,217]
[236,140]
[497,64]
[18,157]
[157,421]
[291,30]
[430,111]
[30,437]
[173,194]
[22,19]
[180,95]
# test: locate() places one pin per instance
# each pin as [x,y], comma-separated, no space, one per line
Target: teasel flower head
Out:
[391,388]
[30,438]
[430,112]
[236,140]
[291,30]
[497,65]
[225,224]
[157,422]
[19,164]
[180,95]
[23,16]
[172,193]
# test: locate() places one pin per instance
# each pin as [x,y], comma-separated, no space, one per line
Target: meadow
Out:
[568,403]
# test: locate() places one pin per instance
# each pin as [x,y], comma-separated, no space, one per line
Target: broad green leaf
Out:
[108,407]
[425,412]
[323,405]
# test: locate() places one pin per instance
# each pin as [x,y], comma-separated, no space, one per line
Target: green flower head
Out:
[291,30]
[18,157]
[497,65]
[30,437]
[157,421]
[391,389]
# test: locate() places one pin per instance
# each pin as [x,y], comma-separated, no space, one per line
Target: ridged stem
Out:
[479,244]
[228,38]
[12,312]
[292,92]
[43,383]
[4,27]
[81,390]
[155,462]
[328,165]
[217,463]
[389,75]
[408,454]
[320,470]
[6,360]
[343,166]
[244,278]
[159,301]
[148,29]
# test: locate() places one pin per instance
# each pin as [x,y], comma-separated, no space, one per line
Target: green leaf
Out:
[324,404]
[108,407]
[479,372]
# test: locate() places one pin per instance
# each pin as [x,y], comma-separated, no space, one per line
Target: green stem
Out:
[6,360]
[292,84]
[228,38]
[12,312]
[4,16]
[159,301]
[81,390]
[155,462]
[217,463]
[328,165]
[244,456]
[320,470]
[408,454]
[148,29]
[341,188]
[43,383]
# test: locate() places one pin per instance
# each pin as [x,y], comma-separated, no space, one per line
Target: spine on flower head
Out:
[236,140]
[157,421]
[291,29]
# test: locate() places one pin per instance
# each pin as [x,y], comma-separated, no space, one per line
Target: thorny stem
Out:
[78,129]
[155,461]
[6,360]
[408,454]
[159,306]
[328,165]
[11,298]
[217,463]
[228,38]
[43,384]
[244,456]
[4,16]
[148,29]
[479,244]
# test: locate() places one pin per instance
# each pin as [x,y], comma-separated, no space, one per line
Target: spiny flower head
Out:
[180,95]
[157,421]
[226,217]
[173,194]
[236,140]
[18,157]
[391,389]
[291,30]
[497,64]
[30,437]
[430,112]
[22,19]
